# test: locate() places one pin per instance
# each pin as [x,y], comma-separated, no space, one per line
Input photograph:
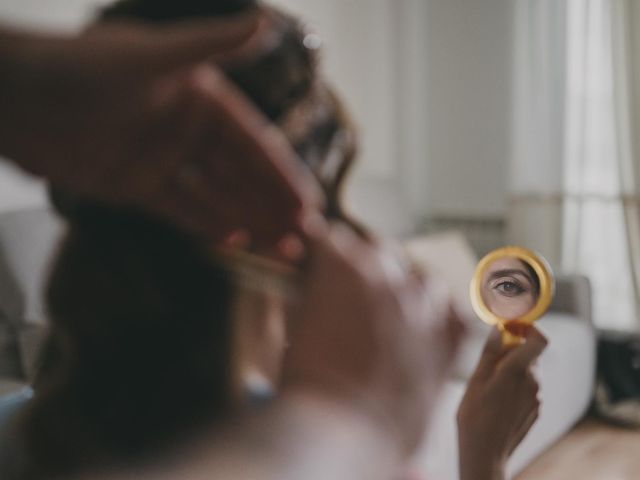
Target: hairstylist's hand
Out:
[371,336]
[499,407]
[130,114]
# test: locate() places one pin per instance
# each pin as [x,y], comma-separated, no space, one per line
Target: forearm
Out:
[480,473]
[475,465]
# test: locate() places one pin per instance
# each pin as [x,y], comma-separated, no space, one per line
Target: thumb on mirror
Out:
[521,357]
[493,352]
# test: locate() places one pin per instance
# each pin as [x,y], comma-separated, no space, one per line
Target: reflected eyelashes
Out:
[510,282]
[509,288]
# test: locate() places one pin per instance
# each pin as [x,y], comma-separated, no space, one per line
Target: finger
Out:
[525,427]
[520,357]
[290,247]
[205,210]
[167,143]
[179,208]
[229,154]
[532,385]
[363,232]
[432,307]
[259,206]
[395,268]
[517,329]
[259,148]
[212,39]
[332,251]
[168,176]
[221,209]
[454,332]
[493,352]
[343,240]
[457,330]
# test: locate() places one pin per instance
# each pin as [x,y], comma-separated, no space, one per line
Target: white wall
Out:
[469,51]
[358,56]
[446,119]
[62,15]
[368,45]
[440,142]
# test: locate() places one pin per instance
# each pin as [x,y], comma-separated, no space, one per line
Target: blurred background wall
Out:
[430,84]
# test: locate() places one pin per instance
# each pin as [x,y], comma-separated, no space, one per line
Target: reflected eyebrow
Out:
[510,271]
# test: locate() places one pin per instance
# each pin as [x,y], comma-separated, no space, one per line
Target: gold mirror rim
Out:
[539,265]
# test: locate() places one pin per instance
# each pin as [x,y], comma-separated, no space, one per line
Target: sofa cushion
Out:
[566,372]
[449,256]
[552,325]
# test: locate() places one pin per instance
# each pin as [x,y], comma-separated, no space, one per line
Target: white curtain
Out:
[594,220]
[535,181]
[600,208]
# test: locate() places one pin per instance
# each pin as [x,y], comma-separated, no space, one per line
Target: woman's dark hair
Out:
[139,350]
[535,279]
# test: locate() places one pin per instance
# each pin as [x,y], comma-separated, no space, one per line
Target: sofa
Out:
[29,237]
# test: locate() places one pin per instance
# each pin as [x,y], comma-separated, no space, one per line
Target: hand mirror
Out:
[511,287]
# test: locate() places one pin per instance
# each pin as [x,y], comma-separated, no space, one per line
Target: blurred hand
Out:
[130,114]
[499,407]
[372,336]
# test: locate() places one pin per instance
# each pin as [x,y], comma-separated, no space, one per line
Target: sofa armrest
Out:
[573,296]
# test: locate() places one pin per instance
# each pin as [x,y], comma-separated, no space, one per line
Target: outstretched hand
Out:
[131,115]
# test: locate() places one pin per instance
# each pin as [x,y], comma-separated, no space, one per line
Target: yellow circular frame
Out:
[541,268]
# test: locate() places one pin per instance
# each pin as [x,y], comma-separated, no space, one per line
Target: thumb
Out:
[522,356]
[218,40]
[492,353]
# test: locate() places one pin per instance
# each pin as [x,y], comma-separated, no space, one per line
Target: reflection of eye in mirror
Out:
[511,285]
